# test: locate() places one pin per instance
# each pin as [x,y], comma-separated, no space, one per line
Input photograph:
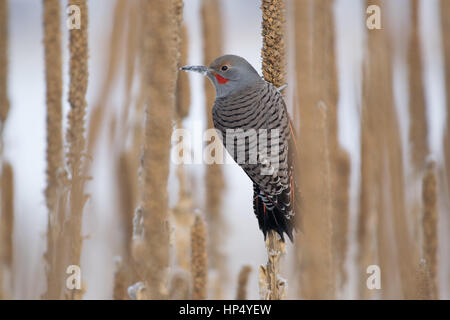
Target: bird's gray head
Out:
[229,74]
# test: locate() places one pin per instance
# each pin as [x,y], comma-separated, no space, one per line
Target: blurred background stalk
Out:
[162,36]
[214,180]
[273,54]
[316,103]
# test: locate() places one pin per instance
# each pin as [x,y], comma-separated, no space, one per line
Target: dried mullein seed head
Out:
[199,259]
[243,282]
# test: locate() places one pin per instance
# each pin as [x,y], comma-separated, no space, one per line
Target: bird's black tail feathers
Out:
[273,214]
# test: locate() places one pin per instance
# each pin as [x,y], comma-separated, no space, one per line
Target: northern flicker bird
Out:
[252,120]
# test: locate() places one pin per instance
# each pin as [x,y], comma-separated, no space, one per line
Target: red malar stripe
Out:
[221,79]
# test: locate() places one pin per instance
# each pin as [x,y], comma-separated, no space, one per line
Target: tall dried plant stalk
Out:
[430,226]
[418,121]
[182,221]
[136,125]
[369,202]
[142,61]
[243,282]
[372,156]
[131,55]
[407,248]
[183,88]
[445,18]
[273,50]
[271,285]
[382,170]
[199,259]
[127,199]
[177,7]
[53,78]
[180,288]
[273,68]
[162,36]
[212,44]
[418,128]
[55,152]
[213,47]
[424,284]
[445,27]
[302,38]
[385,236]
[6,224]
[138,137]
[4,101]
[340,219]
[78,70]
[7,187]
[115,54]
[121,279]
[128,158]
[338,180]
[381,197]
[316,103]
[7,216]
[7,195]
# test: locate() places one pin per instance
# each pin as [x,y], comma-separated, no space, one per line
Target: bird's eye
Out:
[224,68]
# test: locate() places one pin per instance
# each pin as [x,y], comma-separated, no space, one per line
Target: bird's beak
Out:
[200,69]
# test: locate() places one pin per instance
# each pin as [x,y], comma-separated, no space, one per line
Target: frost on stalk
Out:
[271,285]
[172,232]
[138,243]
[118,263]
[138,224]
[136,290]
[282,286]
[274,252]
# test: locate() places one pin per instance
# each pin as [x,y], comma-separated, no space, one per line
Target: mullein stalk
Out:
[215,184]
[78,70]
[243,282]
[199,259]
[316,104]
[445,22]
[430,227]
[55,152]
[162,36]
[418,121]
[6,222]
[4,36]
[272,287]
